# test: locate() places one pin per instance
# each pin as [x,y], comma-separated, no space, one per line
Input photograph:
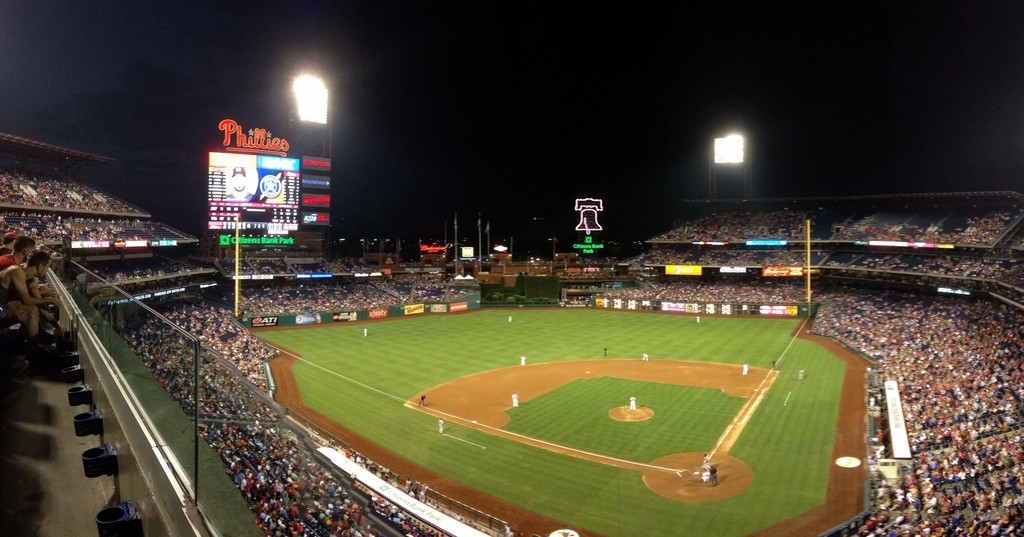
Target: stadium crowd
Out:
[297,297]
[35,190]
[726,258]
[959,362]
[964,408]
[961,377]
[51,227]
[768,292]
[291,494]
[952,222]
[732,226]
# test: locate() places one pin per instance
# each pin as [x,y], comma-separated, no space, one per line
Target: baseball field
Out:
[573,454]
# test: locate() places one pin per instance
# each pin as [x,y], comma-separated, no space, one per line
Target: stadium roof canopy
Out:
[23,149]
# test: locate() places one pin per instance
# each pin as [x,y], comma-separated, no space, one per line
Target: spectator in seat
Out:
[8,246]
[20,304]
[22,246]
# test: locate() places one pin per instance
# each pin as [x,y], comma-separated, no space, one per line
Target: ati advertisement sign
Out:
[264,321]
[344,316]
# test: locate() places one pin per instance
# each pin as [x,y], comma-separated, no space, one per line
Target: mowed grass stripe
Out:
[405,357]
[576,415]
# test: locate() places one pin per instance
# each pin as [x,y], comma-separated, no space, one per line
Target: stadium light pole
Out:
[554,256]
[730,149]
[311,97]
[238,278]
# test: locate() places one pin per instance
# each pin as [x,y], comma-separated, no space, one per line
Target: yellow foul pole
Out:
[807,264]
[238,281]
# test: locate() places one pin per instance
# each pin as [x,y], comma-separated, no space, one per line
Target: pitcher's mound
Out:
[623,413]
[734,476]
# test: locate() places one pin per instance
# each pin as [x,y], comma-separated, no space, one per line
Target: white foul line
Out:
[787,398]
[461,440]
[747,410]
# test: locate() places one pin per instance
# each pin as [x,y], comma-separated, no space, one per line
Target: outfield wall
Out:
[708,308]
[369,314]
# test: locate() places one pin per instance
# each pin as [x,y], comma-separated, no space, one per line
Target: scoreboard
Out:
[261,191]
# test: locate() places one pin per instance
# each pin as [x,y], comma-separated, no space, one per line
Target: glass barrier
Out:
[202,380]
[163,355]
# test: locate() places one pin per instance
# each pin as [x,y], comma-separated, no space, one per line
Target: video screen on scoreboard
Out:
[261,191]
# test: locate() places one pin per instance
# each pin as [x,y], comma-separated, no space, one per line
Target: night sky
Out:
[513,110]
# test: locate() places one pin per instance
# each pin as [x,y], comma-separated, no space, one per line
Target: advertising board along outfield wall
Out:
[471,303]
[335,316]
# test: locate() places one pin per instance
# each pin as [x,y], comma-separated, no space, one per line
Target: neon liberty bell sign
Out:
[588,209]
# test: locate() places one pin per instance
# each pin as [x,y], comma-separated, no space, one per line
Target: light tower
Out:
[729,151]
[314,147]
[311,99]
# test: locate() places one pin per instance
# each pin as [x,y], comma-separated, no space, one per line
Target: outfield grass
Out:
[362,382]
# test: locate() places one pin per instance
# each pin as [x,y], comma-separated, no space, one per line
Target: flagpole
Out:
[479,244]
[455,261]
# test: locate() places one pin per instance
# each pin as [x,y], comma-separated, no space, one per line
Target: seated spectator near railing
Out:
[21,247]
[19,296]
[8,245]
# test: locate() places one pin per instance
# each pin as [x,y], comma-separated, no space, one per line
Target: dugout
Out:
[898,459]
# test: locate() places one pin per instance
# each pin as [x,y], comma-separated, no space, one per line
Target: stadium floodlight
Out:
[311,94]
[729,150]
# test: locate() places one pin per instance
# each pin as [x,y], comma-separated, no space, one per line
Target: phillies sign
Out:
[251,141]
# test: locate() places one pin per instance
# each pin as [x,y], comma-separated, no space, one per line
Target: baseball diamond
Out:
[477,408]
[470,400]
